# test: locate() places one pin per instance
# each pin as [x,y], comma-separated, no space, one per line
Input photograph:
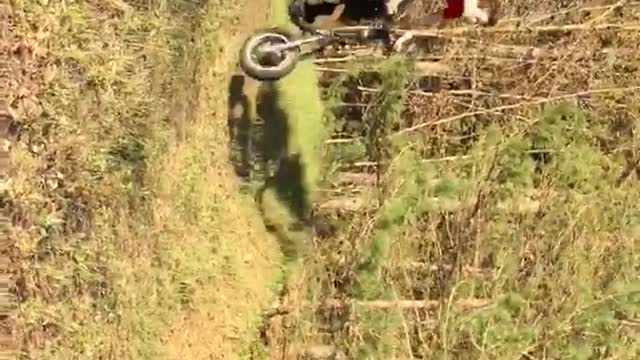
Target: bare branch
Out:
[526,29]
[467,304]
[514,106]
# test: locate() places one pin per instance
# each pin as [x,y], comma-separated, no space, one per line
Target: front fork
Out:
[294,44]
[380,29]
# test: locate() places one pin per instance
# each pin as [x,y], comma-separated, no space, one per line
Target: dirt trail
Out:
[217,333]
[8,133]
[225,299]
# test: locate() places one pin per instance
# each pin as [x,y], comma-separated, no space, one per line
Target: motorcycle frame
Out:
[333,34]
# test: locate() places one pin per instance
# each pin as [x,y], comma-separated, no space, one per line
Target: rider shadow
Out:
[239,124]
[288,178]
[258,128]
[259,137]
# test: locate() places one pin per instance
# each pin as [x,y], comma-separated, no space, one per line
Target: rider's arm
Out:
[472,10]
[454,9]
[296,15]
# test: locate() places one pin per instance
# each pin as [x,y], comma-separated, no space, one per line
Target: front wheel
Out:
[258,61]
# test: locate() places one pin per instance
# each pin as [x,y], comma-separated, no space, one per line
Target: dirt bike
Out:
[271,54]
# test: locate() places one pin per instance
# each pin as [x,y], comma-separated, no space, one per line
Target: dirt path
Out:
[223,320]
[167,245]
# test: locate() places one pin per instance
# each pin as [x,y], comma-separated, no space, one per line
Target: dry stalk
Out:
[454,93]
[468,304]
[523,29]
[611,9]
[514,106]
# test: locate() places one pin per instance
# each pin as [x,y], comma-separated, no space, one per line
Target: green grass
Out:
[293,132]
[300,98]
[132,237]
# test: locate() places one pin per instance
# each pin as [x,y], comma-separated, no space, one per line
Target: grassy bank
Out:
[289,131]
[131,239]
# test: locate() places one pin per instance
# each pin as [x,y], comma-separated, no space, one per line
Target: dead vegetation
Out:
[486,210]
[124,227]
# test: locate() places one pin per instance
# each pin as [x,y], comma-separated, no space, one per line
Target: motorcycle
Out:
[273,53]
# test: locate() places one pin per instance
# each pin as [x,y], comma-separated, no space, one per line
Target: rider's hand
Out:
[296,10]
[392,6]
[296,14]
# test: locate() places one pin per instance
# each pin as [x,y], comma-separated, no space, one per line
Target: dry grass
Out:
[508,180]
[129,238]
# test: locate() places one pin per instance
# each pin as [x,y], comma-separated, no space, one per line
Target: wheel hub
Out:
[267,53]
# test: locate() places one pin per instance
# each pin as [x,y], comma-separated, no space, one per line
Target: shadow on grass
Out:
[239,124]
[260,152]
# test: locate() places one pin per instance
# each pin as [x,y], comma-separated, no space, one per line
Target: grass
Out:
[132,239]
[281,123]
[299,95]
[289,131]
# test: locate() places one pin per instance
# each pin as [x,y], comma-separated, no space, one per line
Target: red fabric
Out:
[455,9]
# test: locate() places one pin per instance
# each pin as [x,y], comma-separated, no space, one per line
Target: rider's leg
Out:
[334,18]
[305,13]
[392,6]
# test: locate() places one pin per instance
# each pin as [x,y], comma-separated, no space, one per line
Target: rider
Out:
[304,12]
[480,12]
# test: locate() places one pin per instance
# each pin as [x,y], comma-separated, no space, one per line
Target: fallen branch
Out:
[466,270]
[330,70]
[454,92]
[547,16]
[495,110]
[343,141]
[335,304]
[341,59]
[514,106]
[361,164]
[344,203]
[421,67]
[529,51]
[631,167]
[514,29]
[498,54]
[468,304]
